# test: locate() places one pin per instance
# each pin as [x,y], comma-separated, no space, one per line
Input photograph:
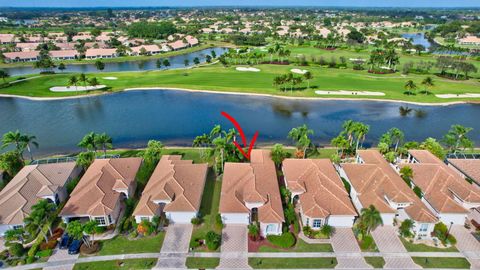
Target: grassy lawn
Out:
[187,153]
[411,247]
[202,263]
[300,246]
[122,245]
[452,263]
[288,263]
[117,264]
[376,262]
[222,79]
[209,207]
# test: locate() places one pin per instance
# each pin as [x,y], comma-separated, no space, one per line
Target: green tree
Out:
[4,75]
[62,67]
[73,80]
[104,141]
[406,228]
[196,61]
[457,138]
[278,154]
[29,140]
[153,151]
[300,135]
[341,143]
[253,231]
[40,215]
[308,76]
[370,219]
[186,62]
[327,230]
[213,240]
[99,65]
[83,78]
[90,228]
[159,63]
[85,159]
[11,162]
[166,63]
[434,147]
[410,86]
[16,139]
[93,82]
[427,83]
[89,142]
[407,174]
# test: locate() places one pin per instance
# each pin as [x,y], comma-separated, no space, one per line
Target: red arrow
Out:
[242,135]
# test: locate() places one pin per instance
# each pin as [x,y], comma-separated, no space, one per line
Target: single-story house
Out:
[101,53]
[444,191]
[149,50]
[178,45]
[374,181]
[250,193]
[319,192]
[469,40]
[32,183]
[26,47]
[100,192]
[7,39]
[11,57]
[175,188]
[64,55]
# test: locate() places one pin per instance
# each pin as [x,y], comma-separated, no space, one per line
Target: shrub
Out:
[327,230]
[196,221]
[44,253]
[213,240]
[367,242]
[418,191]
[219,221]
[307,230]
[33,249]
[30,260]
[405,228]
[195,243]
[16,249]
[285,240]
[100,229]
[51,244]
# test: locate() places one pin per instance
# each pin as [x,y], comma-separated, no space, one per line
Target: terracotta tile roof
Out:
[100,52]
[64,53]
[254,182]
[95,195]
[21,55]
[375,180]
[441,184]
[28,186]
[469,167]
[180,182]
[148,48]
[322,190]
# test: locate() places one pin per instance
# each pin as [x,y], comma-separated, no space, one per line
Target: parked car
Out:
[65,241]
[74,247]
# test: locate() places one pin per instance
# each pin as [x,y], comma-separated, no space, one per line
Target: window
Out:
[423,227]
[144,219]
[16,227]
[317,223]
[100,221]
[270,228]
[110,219]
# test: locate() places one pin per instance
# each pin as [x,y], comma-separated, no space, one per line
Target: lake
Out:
[418,39]
[132,65]
[176,117]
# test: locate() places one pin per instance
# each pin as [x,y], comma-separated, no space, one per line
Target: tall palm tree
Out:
[427,82]
[14,138]
[300,135]
[39,217]
[104,141]
[397,136]
[73,80]
[29,140]
[410,86]
[4,75]
[308,76]
[370,219]
[89,142]
[83,78]
[361,131]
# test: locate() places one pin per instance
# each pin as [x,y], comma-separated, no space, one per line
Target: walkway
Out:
[468,245]
[347,251]
[234,249]
[173,254]
[388,242]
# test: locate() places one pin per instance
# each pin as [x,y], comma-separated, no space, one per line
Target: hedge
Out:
[285,240]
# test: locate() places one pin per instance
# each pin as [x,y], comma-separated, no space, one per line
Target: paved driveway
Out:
[61,255]
[234,249]
[468,245]
[173,254]
[387,241]
[347,251]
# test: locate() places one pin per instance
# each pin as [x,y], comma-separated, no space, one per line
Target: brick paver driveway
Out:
[347,251]
[61,255]
[173,254]
[467,244]
[234,249]
[388,242]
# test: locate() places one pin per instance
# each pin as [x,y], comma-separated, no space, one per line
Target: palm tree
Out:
[166,63]
[73,80]
[253,231]
[406,173]
[90,228]
[427,82]
[89,142]
[370,219]
[404,111]
[93,82]
[308,76]
[397,136]
[186,62]
[4,75]
[16,139]
[410,86]
[104,141]
[300,135]
[27,140]
[83,78]
[278,154]
[39,217]
[341,143]
[360,131]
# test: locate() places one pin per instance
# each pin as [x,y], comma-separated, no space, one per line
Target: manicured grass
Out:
[452,263]
[376,262]
[222,79]
[209,207]
[411,247]
[300,246]
[186,153]
[289,263]
[202,263]
[117,264]
[122,245]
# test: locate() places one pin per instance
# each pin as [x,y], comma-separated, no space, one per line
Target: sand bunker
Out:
[110,78]
[467,95]
[299,71]
[349,93]
[247,69]
[77,88]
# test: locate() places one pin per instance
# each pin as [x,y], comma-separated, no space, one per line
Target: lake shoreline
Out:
[236,93]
